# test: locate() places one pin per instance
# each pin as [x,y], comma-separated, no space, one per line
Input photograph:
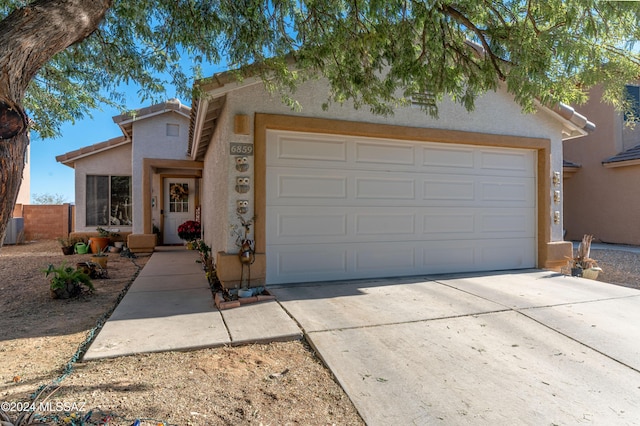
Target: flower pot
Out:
[245,292]
[98,244]
[67,250]
[591,273]
[118,244]
[100,260]
[115,249]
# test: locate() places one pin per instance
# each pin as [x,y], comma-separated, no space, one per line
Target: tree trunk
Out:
[29,37]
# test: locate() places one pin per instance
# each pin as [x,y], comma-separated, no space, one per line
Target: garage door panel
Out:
[514,192]
[308,225]
[447,188]
[512,254]
[304,262]
[449,256]
[447,158]
[514,162]
[501,224]
[378,224]
[385,188]
[363,208]
[299,186]
[318,262]
[378,257]
[378,152]
[439,223]
[385,224]
[302,149]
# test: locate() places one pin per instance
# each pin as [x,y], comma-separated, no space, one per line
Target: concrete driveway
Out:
[508,348]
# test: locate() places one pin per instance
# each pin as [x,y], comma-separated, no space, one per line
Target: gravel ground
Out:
[618,267]
[279,383]
[40,339]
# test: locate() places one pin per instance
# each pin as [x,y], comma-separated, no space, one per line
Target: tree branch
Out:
[455,14]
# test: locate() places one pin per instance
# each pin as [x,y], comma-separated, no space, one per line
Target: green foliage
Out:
[48,199]
[64,274]
[67,241]
[104,233]
[375,53]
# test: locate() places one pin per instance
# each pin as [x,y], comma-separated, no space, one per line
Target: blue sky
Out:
[50,177]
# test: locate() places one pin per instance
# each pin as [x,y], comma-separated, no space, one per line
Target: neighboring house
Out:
[336,194]
[345,194]
[602,173]
[113,189]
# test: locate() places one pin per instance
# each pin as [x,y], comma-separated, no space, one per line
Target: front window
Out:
[633,98]
[109,200]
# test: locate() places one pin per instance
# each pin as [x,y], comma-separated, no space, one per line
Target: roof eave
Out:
[69,158]
[574,124]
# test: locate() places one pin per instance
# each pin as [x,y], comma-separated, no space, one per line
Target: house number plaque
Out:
[238,148]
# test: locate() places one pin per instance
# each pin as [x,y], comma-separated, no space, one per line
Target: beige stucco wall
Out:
[216,199]
[114,162]
[150,140]
[598,200]
[495,113]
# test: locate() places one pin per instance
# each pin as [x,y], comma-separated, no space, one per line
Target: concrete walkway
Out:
[501,349]
[170,307]
[524,347]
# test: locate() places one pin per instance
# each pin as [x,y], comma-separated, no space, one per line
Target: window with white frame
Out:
[108,201]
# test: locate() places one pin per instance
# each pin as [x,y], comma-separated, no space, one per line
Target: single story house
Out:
[339,193]
[602,172]
[121,183]
[344,194]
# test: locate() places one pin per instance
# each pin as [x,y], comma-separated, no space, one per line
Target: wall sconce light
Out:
[556,179]
[241,124]
[556,217]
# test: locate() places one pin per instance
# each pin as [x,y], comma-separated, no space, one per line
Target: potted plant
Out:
[100,258]
[67,244]
[66,282]
[189,231]
[581,264]
[100,242]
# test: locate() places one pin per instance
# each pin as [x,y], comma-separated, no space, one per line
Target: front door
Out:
[178,207]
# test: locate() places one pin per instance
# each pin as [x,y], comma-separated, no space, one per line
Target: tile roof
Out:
[125,121]
[70,157]
[628,155]
[567,163]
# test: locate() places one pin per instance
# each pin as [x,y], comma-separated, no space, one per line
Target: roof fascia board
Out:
[202,105]
[152,114]
[625,163]
[90,153]
[571,129]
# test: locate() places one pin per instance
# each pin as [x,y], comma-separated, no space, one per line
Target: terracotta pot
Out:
[98,244]
[100,260]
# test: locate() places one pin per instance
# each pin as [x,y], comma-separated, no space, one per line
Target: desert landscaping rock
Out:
[277,383]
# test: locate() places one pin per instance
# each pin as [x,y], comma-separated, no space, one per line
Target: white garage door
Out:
[349,207]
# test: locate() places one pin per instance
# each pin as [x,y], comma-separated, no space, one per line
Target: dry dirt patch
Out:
[279,383]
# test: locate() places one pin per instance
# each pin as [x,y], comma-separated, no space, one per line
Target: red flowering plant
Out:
[189,231]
